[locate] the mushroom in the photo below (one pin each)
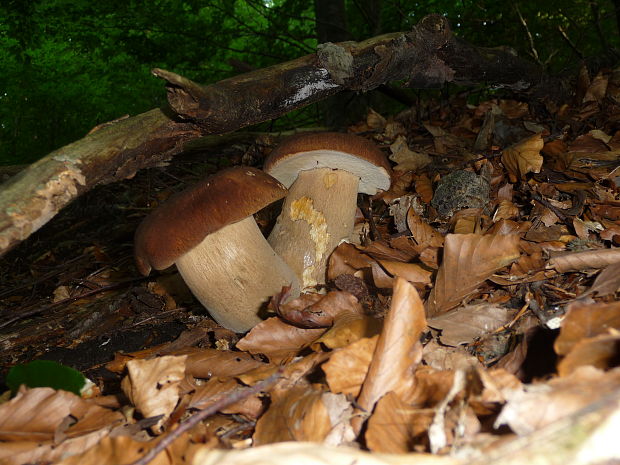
(209, 232)
(324, 173)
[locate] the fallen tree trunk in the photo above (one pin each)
(428, 56)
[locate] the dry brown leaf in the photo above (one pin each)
(374, 120)
(207, 393)
(347, 367)
(440, 357)
(424, 187)
(36, 415)
(301, 414)
(289, 453)
(412, 272)
(607, 282)
(153, 385)
(465, 224)
(597, 90)
(381, 250)
(348, 327)
(464, 324)
(43, 424)
(398, 349)
(584, 321)
(524, 156)
(395, 426)
(122, 449)
(423, 233)
(536, 406)
(405, 158)
(469, 260)
(602, 351)
(278, 340)
(587, 260)
(346, 259)
(506, 210)
(205, 363)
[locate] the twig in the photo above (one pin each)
(570, 43)
(233, 397)
(36, 311)
(528, 33)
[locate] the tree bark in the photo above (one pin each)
(426, 57)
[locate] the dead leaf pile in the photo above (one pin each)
(493, 331)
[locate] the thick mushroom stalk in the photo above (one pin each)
(324, 173)
(233, 273)
(317, 215)
(209, 232)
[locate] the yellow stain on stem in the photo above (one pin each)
(302, 209)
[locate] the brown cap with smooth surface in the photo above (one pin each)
(355, 147)
(184, 220)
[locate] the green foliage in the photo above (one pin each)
(45, 373)
(68, 65)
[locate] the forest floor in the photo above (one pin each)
(478, 311)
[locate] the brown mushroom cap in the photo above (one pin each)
(184, 220)
(348, 152)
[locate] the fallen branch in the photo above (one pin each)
(428, 56)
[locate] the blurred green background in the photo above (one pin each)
(68, 65)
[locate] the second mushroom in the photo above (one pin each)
(209, 232)
(324, 173)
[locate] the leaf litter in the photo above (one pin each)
(439, 337)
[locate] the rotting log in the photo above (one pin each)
(427, 57)
(31, 198)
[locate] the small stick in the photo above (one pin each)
(234, 396)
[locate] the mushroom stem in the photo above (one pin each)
(233, 272)
(317, 215)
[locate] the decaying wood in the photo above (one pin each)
(428, 56)
(32, 197)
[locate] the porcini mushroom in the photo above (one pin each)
(324, 173)
(209, 232)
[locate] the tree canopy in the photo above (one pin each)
(70, 65)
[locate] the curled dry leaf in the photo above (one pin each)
(301, 414)
(583, 321)
(524, 156)
(205, 394)
(124, 449)
(424, 187)
(206, 363)
(43, 424)
(304, 312)
(422, 232)
(469, 260)
(506, 210)
(587, 260)
(346, 259)
(395, 426)
(348, 328)
(287, 453)
(278, 340)
(398, 349)
(464, 324)
(536, 406)
(607, 282)
(602, 351)
(346, 369)
(405, 158)
(153, 385)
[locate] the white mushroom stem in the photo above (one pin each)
(317, 215)
(233, 273)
